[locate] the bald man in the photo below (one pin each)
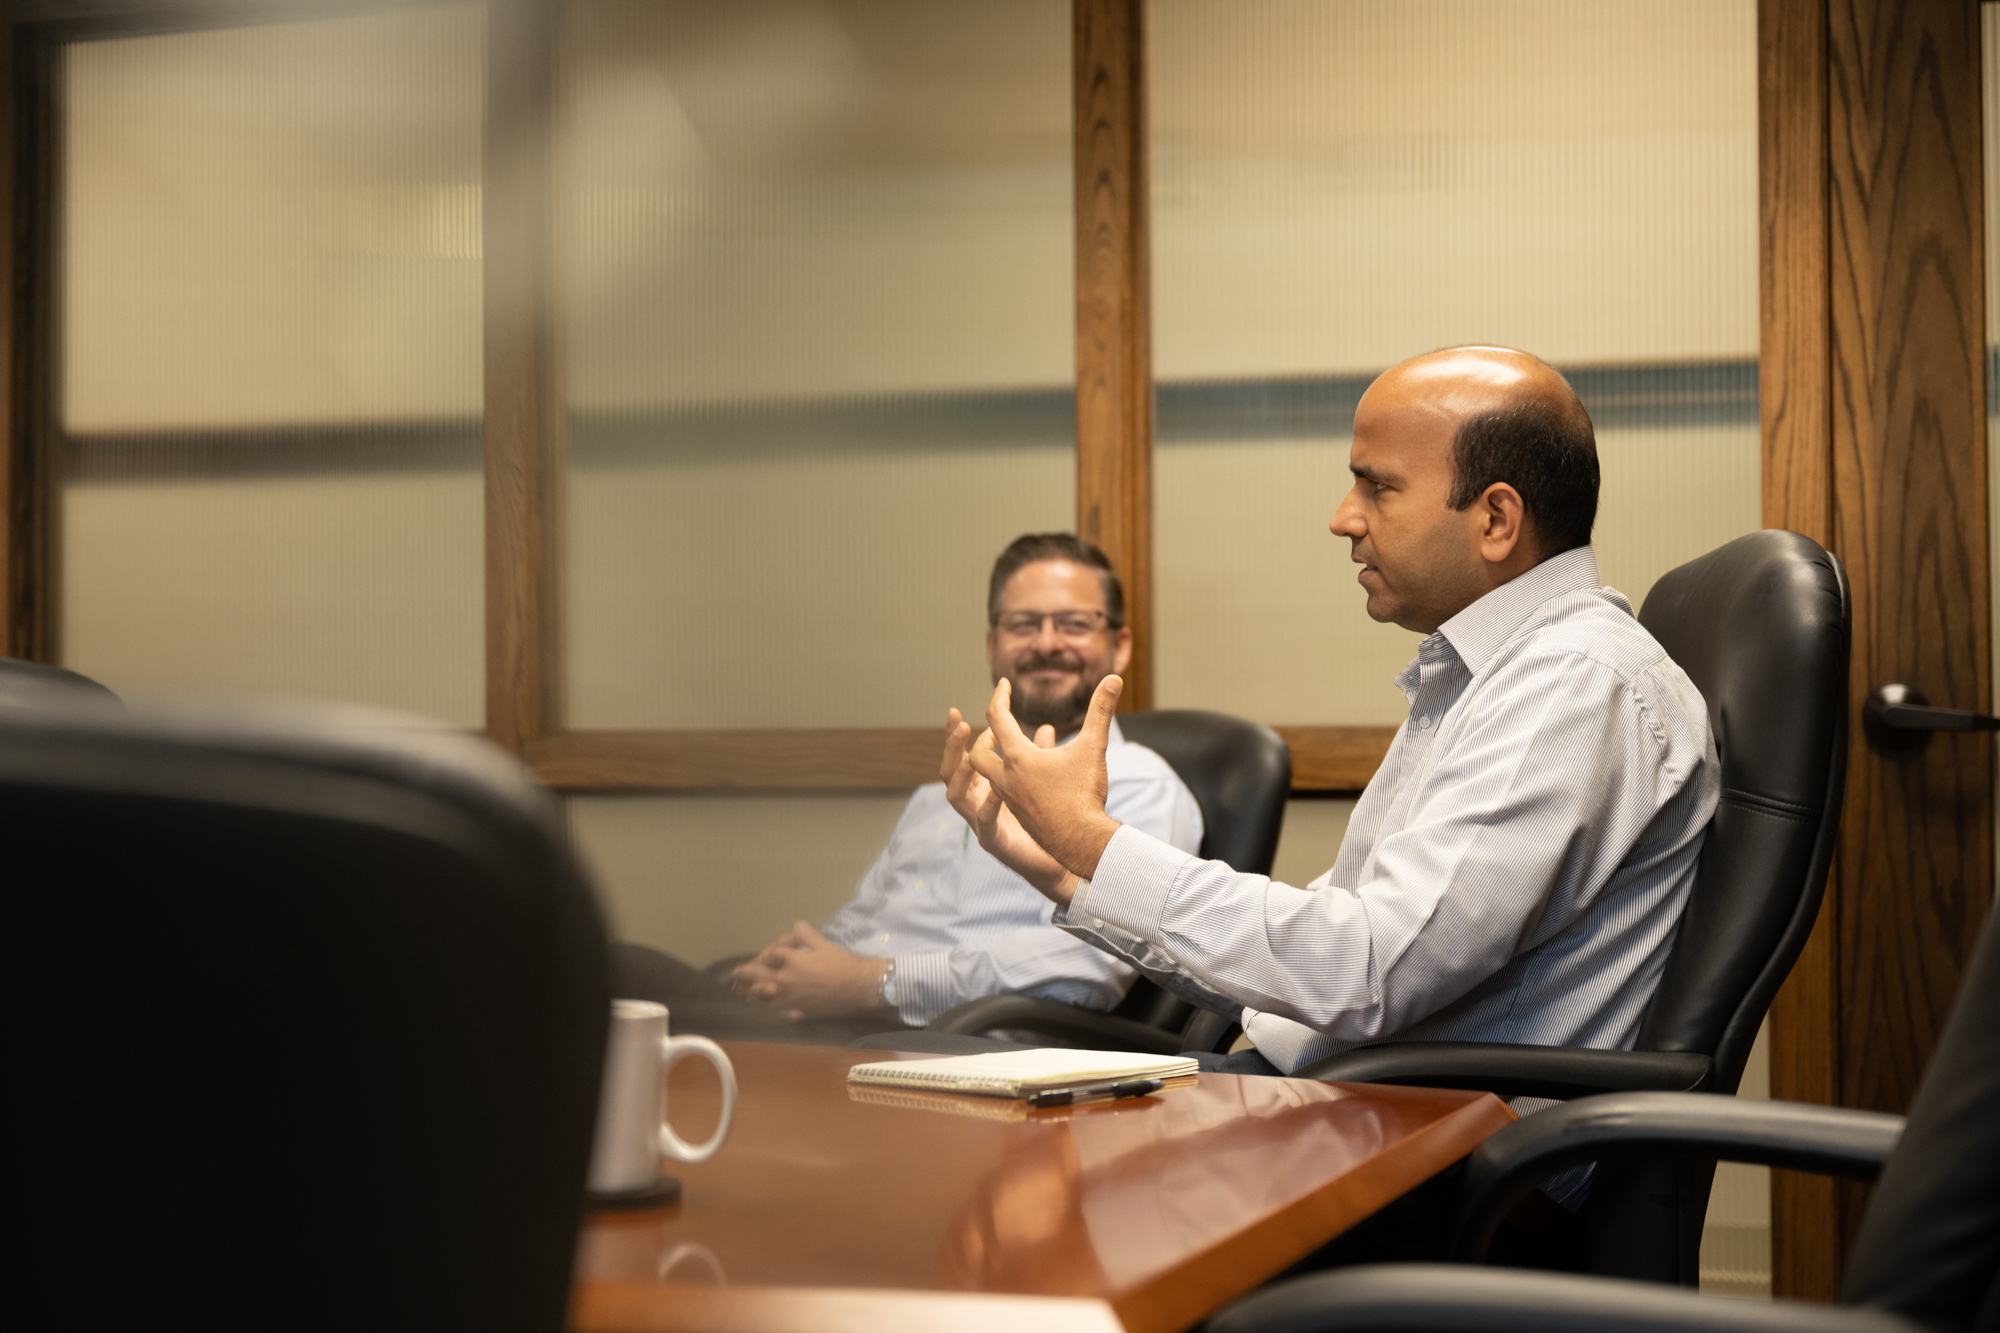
(1516, 869)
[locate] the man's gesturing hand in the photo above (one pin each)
(1055, 794)
(998, 831)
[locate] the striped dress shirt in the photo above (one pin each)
(961, 926)
(1514, 872)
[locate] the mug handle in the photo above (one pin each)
(673, 1049)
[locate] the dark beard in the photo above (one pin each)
(1064, 712)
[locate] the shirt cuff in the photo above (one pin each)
(1135, 880)
(922, 985)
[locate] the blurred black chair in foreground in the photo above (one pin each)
(1761, 625)
(1241, 775)
(310, 1024)
(35, 685)
(1926, 1259)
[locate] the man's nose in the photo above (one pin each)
(1346, 520)
(1047, 640)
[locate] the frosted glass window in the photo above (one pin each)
(817, 348)
(268, 417)
(1339, 186)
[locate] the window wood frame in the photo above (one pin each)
(522, 402)
(1114, 491)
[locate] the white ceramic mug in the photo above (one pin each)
(632, 1133)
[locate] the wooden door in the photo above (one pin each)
(1873, 395)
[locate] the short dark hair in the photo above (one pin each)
(1546, 451)
(1034, 547)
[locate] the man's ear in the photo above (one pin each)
(1502, 523)
(1121, 652)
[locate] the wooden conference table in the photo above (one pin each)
(833, 1208)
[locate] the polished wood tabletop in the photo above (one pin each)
(834, 1207)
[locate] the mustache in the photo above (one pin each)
(1036, 661)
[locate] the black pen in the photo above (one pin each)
(1138, 1087)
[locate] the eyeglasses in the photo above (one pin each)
(1068, 624)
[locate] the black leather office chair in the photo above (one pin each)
(34, 685)
(1927, 1256)
(1761, 625)
(1241, 775)
(308, 1025)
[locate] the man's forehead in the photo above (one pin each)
(1078, 587)
(1395, 420)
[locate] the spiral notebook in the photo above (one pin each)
(1022, 1073)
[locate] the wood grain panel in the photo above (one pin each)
(1906, 283)
(13, 449)
(1335, 760)
(1325, 760)
(26, 177)
(801, 759)
(1794, 406)
(1793, 359)
(521, 396)
(1114, 386)
(1908, 422)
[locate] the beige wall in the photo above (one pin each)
(707, 876)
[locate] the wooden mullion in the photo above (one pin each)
(1325, 760)
(14, 517)
(1335, 761)
(27, 183)
(1114, 386)
(787, 759)
(1794, 389)
(522, 407)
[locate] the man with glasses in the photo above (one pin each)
(937, 921)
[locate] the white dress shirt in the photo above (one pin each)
(961, 926)
(1514, 872)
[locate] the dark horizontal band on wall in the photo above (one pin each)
(1272, 407)
(1325, 760)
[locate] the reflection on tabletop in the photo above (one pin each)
(826, 1185)
(1119, 1192)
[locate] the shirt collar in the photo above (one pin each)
(1477, 632)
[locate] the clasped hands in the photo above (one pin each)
(803, 975)
(1037, 808)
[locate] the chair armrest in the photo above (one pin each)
(1794, 1135)
(1561, 1072)
(1208, 1030)
(1448, 1298)
(1053, 1019)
